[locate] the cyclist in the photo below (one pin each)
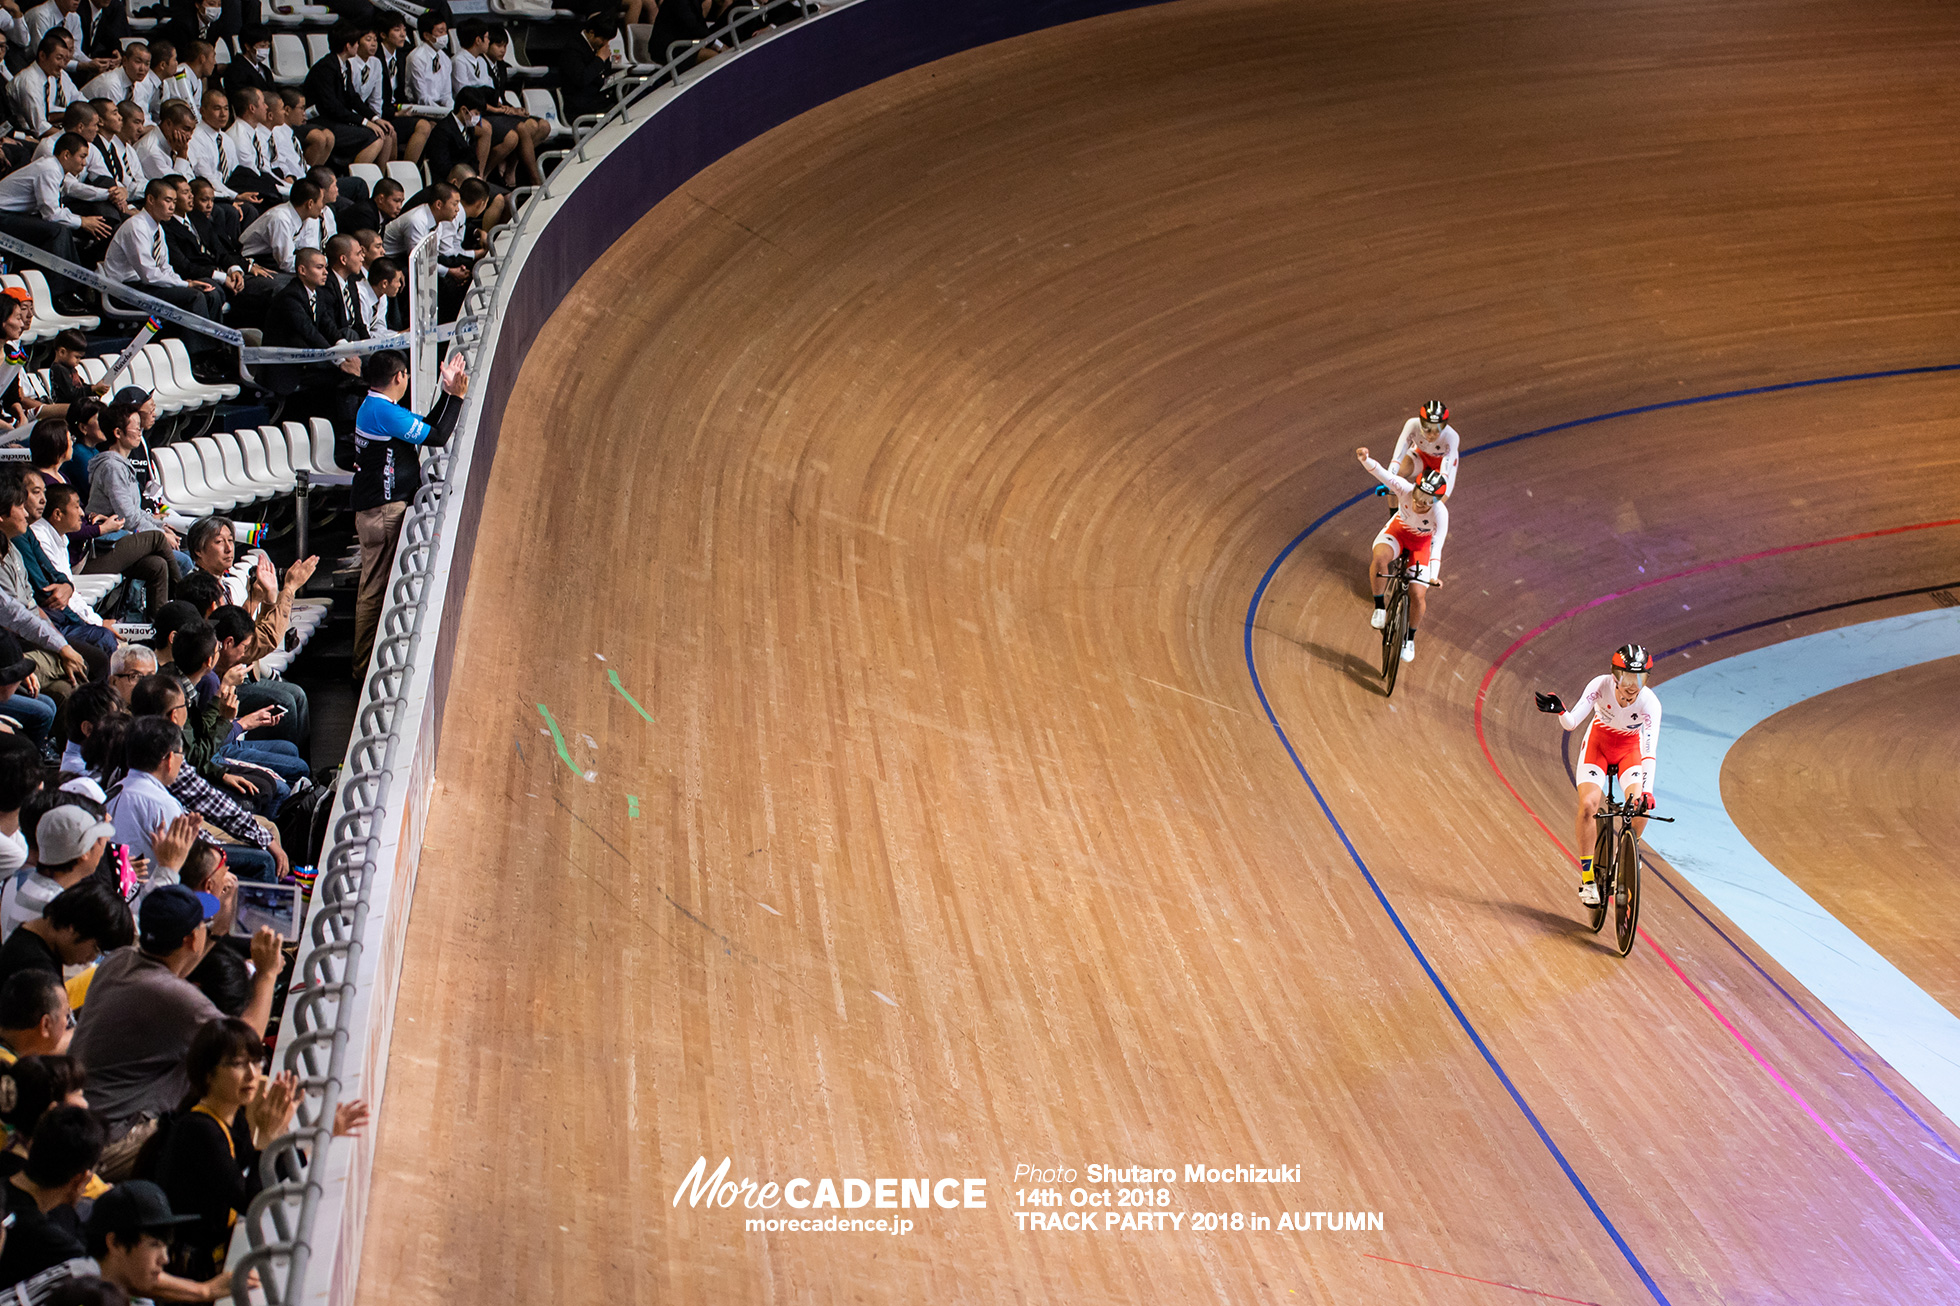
(1427, 444)
(1418, 528)
(1626, 729)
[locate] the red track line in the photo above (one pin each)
(1581, 1301)
(1798, 1098)
(1483, 690)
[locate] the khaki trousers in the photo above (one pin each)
(378, 529)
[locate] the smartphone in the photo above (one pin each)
(125, 872)
(261, 904)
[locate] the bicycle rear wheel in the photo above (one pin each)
(1390, 602)
(1602, 876)
(1626, 894)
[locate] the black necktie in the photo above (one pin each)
(113, 160)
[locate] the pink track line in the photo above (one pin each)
(1798, 1098)
(1484, 689)
(1533, 1292)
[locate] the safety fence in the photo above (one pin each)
(301, 1239)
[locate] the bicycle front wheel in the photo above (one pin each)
(1626, 894)
(1397, 631)
(1602, 877)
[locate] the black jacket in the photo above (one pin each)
(220, 234)
(289, 325)
(581, 79)
(447, 146)
(327, 90)
(190, 257)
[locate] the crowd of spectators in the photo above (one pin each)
(147, 765)
(133, 1014)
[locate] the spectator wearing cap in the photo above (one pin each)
(129, 1233)
(388, 472)
(78, 926)
(205, 1155)
(49, 650)
(70, 841)
(142, 1013)
(20, 779)
(41, 1197)
(35, 1019)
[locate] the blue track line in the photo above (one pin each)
(1409, 939)
(1252, 667)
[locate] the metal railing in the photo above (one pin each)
(282, 1240)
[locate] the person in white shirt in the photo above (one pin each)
(293, 143)
(285, 229)
(65, 14)
(165, 149)
(94, 190)
(118, 159)
(512, 131)
(131, 127)
(251, 144)
(214, 157)
(139, 256)
(428, 65)
(383, 282)
(32, 209)
(442, 213)
(175, 80)
(132, 80)
(368, 75)
(43, 89)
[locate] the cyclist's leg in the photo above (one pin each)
(1585, 830)
(1418, 604)
(1380, 561)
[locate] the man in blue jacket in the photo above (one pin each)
(388, 472)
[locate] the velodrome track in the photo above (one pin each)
(916, 470)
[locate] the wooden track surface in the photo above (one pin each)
(914, 468)
(1850, 794)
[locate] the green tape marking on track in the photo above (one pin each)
(557, 738)
(614, 677)
(632, 807)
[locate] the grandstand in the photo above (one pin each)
(826, 544)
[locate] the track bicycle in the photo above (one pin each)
(1616, 865)
(1395, 631)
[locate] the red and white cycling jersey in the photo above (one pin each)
(1639, 721)
(1436, 453)
(1430, 527)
